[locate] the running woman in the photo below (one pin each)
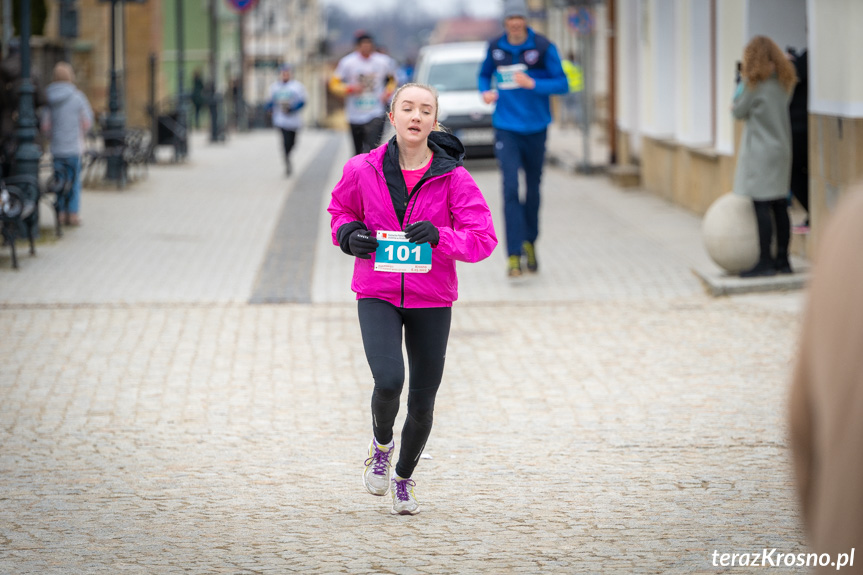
(414, 184)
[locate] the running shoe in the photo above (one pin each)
(404, 500)
(514, 267)
(529, 252)
(377, 471)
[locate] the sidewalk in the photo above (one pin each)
(603, 416)
(566, 150)
(195, 232)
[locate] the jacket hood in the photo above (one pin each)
(448, 152)
(449, 145)
(57, 92)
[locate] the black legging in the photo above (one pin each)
(426, 332)
(289, 137)
(766, 212)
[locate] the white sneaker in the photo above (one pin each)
(404, 500)
(377, 471)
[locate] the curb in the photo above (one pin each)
(721, 283)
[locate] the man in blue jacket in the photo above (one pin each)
(521, 70)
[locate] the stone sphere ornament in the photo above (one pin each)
(730, 233)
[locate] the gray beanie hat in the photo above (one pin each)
(514, 9)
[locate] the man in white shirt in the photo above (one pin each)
(366, 79)
(287, 97)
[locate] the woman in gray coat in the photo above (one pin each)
(764, 162)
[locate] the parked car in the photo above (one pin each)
(452, 69)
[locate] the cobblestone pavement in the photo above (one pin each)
(604, 416)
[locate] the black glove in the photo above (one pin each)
(344, 234)
(422, 232)
(362, 244)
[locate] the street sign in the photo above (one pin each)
(242, 5)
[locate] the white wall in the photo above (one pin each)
(683, 41)
(644, 53)
(665, 89)
(783, 21)
(836, 45)
(658, 60)
(628, 92)
(665, 100)
(730, 26)
(694, 83)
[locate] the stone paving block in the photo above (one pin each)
(538, 469)
(603, 416)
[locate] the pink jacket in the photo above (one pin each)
(450, 200)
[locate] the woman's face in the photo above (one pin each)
(414, 115)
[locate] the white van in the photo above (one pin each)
(453, 70)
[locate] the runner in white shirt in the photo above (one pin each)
(287, 97)
(367, 80)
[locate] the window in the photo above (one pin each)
(454, 76)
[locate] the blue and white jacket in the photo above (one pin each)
(521, 110)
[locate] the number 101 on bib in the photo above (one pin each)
(397, 254)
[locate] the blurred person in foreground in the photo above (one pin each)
(527, 70)
(287, 98)
(763, 170)
(66, 119)
(366, 79)
(826, 404)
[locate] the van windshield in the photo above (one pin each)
(454, 76)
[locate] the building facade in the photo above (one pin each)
(675, 73)
(285, 32)
(256, 43)
(90, 52)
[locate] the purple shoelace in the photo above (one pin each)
(402, 488)
(379, 461)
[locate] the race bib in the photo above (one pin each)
(286, 98)
(505, 76)
(396, 254)
(366, 103)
